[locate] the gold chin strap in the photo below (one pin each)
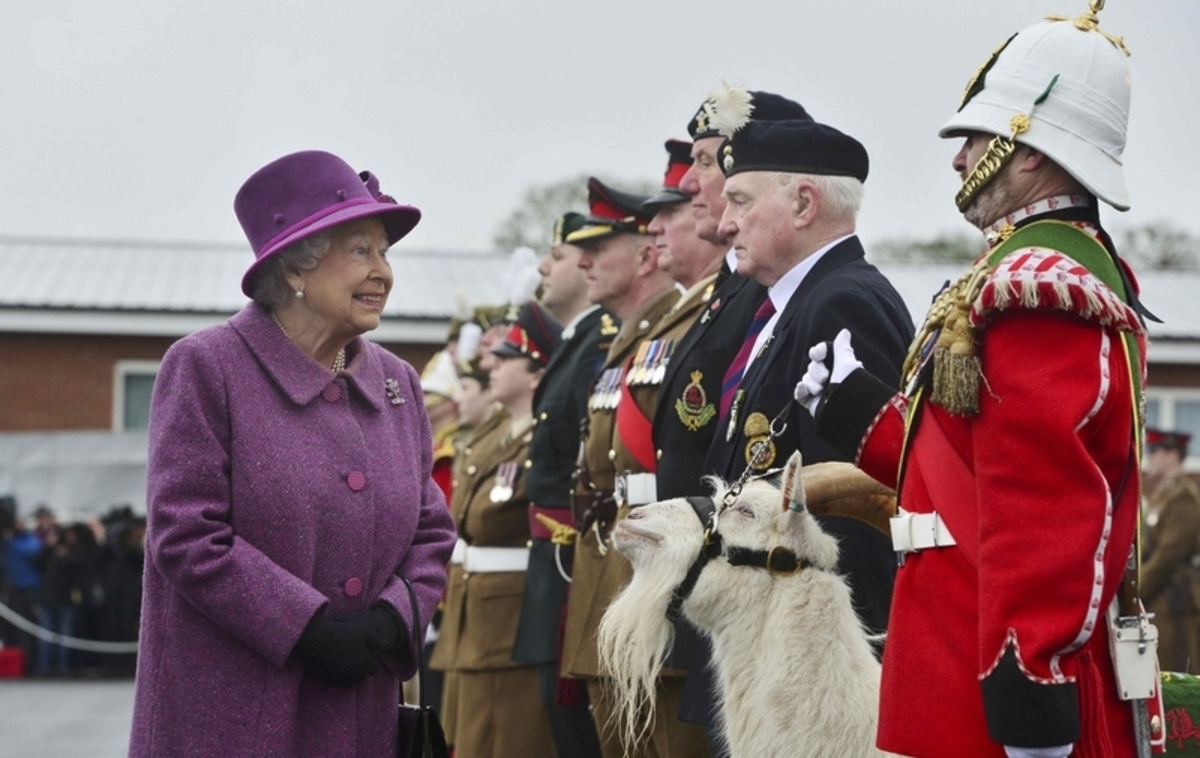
(1000, 150)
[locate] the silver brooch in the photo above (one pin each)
(392, 387)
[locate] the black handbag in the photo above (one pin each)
(421, 734)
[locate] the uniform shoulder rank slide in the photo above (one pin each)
(506, 480)
(693, 407)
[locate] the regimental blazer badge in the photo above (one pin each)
(760, 448)
(693, 407)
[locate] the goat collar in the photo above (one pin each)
(777, 560)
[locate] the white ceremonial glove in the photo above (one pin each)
(811, 387)
(1062, 751)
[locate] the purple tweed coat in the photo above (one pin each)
(275, 492)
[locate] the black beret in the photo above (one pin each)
(764, 106)
(610, 211)
(796, 147)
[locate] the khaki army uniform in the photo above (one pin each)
(639, 355)
(1170, 582)
(483, 603)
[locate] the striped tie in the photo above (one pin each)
(733, 375)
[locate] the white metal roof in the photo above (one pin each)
(174, 288)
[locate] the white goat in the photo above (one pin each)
(795, 670)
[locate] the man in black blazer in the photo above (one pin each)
(687, 415)
(559, 405)
(793, 190)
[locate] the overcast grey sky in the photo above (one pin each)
(141, 118)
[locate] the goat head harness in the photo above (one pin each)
(778, 560)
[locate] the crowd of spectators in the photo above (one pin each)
(80, 578)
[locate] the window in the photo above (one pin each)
(1176, 409)
(133, 386)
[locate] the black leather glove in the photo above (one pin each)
(339, 653)
(383, 626)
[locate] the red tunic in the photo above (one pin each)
(1046, 457)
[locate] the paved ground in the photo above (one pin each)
(65, 719)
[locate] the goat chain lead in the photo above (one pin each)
(778, 427)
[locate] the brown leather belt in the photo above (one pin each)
(593, 507)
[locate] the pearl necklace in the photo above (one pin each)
(339, 362)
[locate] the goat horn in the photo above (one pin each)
(836, 488)
(793, 488)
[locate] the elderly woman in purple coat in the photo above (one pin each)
(289, 493)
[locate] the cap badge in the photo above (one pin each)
(693, 407)
(975, 83)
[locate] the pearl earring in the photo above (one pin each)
(300, 294)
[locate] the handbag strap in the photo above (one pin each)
(418, 648)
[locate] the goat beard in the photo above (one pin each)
(634, 639)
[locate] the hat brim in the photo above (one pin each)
(398, 221)
(593, 232)
(505, 350)
(665, 197)
(1095, 169)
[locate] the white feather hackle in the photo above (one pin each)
(468, 342)
(732, 108)
(522, 278)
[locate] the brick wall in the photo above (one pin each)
(53, 382)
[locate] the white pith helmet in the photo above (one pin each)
(1082, 121)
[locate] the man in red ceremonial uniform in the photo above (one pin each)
(1014, 445)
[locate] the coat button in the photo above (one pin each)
(471, 470)
(353, 587)
(331, 393)
(356, 480)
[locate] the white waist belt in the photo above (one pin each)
(489, 560)
(636, 489)
(919, 531)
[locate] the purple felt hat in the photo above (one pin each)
(304, 193)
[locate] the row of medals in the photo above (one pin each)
(506, 480)
(648, 368)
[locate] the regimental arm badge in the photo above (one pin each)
(693, 407)
(760, 447)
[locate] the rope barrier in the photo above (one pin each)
(93, 646)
